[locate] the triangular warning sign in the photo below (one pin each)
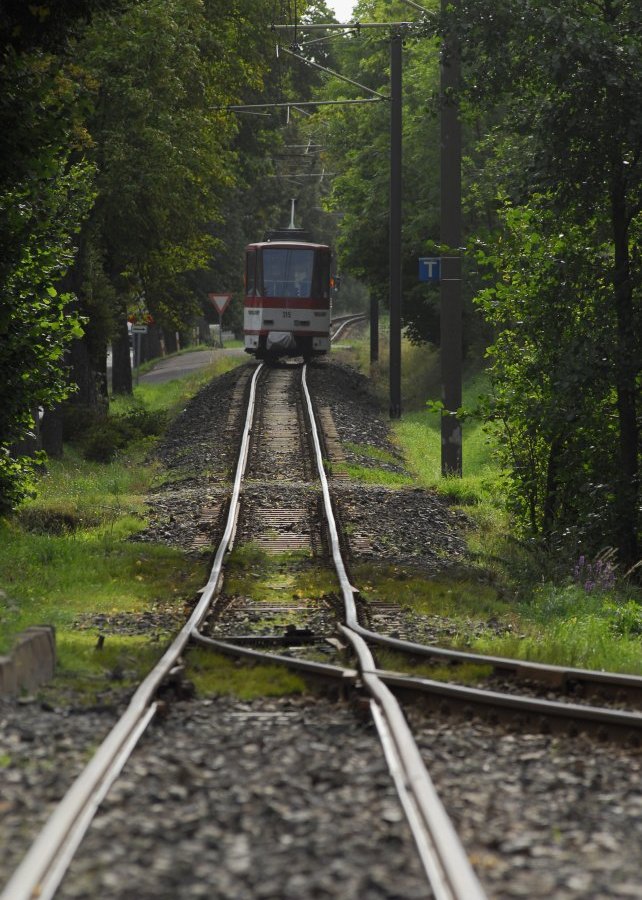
(220, 301)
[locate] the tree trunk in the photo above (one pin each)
(121, 376)
(83, 376)
(101, 375)
(51, 432)
(171, 342)
(150, 347)
(627, 485)
(551, 489)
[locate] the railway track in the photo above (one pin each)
(442, 855)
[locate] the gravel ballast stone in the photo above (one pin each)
(290, 797)
(283, 798)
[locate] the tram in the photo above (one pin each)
(287, 296)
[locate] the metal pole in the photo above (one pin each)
(451, 296)
(395, 226)
(374, 329)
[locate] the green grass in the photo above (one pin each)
(369, 475)
(216, 675)
(68, 553)
(459, 596)
(86, 669)
(419, 433)
(172, 395)
(55, 579)
(564, 624)
(272, 578)
(536, 610)
(466, 673)
(560, 624)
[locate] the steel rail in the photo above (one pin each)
(622, 720)
(445, 861)
(550, 674)
(47, 888)
(344, 324)
(42, 864)
(576, 712)
(308, 666)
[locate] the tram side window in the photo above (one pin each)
(287, 272)
(321, 284)
(250, 273)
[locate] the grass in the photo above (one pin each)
(56, 579)
(466, 673)
(452, 596)
(216, 675)
(270, 578)
(89, 671)
(369, 475)
(171, 396)
(420, 435)
(536, 608)
(564, 624)
(68, 555)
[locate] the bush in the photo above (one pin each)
(101, 435)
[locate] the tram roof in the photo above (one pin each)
(290, 245)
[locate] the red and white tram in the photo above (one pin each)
(287, 297)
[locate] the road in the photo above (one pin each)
(171, 367)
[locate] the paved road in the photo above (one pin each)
(177, 366)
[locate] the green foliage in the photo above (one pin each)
(358, 141)
(558, 87)
(116, 160)
(567, 626)
(217, 675)
(113, 433)
(552, 402)
(38, 217)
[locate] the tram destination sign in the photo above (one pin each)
(220, 301)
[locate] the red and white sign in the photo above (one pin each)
(220, 301)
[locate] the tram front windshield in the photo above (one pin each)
(287, 272)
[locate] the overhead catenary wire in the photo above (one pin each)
(316, 65)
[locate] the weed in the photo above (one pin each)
(464, 673)
(452, 596)
(598, 575)
(368, 475)
(251, 572)
(214, 674)
(375, 453)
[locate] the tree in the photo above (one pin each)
(45, 192)
(568, 79)
(167, 153)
